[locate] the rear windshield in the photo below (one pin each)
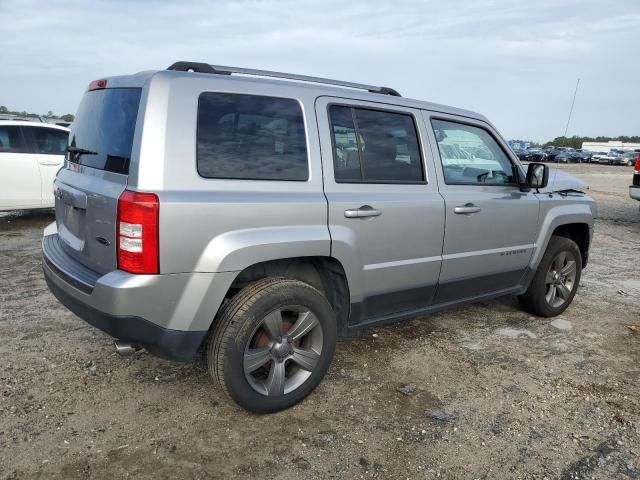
(103, 128)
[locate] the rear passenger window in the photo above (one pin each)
(11, 140)
(372, 146)
(251, 137)
(50, 141)
(471, 156)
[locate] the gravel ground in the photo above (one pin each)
(514, 396)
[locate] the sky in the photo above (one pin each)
(516, 62)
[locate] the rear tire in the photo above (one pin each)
(272, 344)
(556, 281)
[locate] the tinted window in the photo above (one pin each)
(251, 137)
(11, 140)
(49, 141)
(375, 146)
(470, 155)
(346, 156)
(105, 124)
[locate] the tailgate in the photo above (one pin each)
(95, 174)
(86, 213)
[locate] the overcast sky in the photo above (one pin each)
(514, 61)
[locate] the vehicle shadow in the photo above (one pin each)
(21, 219)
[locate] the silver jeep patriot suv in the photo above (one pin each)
(259, 215)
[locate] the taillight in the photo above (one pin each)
(636, 169)
(137, 230)
(97, 85)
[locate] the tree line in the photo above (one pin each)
(67, 117)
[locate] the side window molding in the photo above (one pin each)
(374, 145)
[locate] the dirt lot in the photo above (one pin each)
(524, 397)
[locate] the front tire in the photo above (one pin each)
(272, 344)
(556, 281)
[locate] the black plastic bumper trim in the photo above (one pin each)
(75, 283)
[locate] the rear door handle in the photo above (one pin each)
(467, 209)
(362, 212)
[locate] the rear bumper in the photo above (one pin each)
(634, 192)
(169, 314)
(177, 345)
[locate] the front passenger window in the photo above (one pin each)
(470, 155)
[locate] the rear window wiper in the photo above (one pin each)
(80, 151)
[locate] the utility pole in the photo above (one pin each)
(566, 129)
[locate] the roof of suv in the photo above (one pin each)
(140, 78)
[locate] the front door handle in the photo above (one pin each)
(467, 209)
(362, 212)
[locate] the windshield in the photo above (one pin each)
(102, 132)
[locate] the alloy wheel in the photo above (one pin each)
(560, 279)
(283, 351)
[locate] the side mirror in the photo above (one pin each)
(537, 175)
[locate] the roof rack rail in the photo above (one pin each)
(220, 70)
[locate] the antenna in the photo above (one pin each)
(566, 129)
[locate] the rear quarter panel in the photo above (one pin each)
(215, 225)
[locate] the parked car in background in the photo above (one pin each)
(564, 156)
(551, 154)
(31, 153)
(634, 188)
(585, 155)
(614, 157)
(314, 210)
(537, 155)
(596, 157)
(576, 157)
(523, 155)
(630, 158)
